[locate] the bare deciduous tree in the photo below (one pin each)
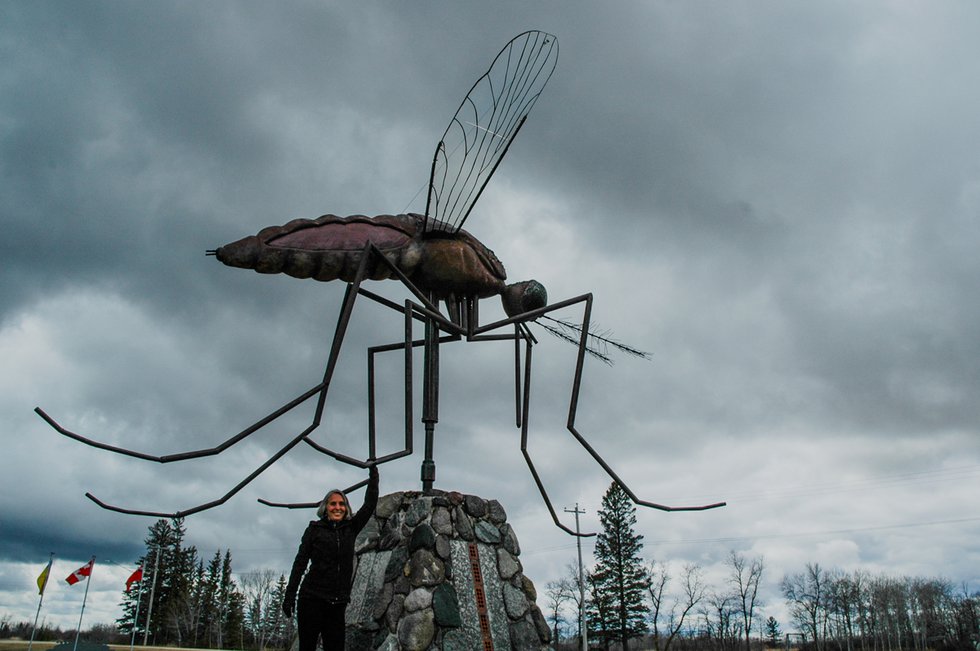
(722, 624)
(671, 611)
(808, 595)
(576, 595)
(257, 587)
(746, 574)
(557, 593)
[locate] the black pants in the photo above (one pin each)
(318, 618)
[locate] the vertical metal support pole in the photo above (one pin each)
(44, 584)
(517, 374)
(153, 590)
(430, 400)
(88, 582)
(136, 612)
(372, 427)
(409, 379)
(582, 622)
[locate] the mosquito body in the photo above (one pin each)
(441, 263)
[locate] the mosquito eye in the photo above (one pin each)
(523, 297)
(535, 296)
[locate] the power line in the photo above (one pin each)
(804, 534)
(831, 487)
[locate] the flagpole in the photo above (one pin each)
(153, 589)
(47, 575)
(84, 599)
(136, 614)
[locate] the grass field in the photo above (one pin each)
(21, 645)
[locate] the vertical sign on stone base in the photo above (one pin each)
(481, 597)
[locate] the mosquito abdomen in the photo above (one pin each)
(329, 247)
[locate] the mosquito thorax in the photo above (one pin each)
(524, 296)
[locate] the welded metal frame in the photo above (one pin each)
(462, 322)
(512, 84)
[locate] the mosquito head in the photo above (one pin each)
(523, 297)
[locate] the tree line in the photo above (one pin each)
(860, 611)
(633, 603)
(187, 602)
(629, 603)
(183, 601)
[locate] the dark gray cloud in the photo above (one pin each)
(23, 539)
(779, 202)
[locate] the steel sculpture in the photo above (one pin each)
(438, 262)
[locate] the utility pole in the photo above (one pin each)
(582, 621)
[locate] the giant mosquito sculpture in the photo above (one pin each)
(437, 262)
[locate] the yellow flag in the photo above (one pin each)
(42, 579)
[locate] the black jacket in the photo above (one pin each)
(328, 548)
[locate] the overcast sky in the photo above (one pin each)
(779, 201)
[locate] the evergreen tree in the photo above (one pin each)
(133, 599)
(279, 626)
(210, 624)
(200, 605)
(159, 540)
(772, 632)
(598, 605)
(234, 633)
(619, 578)
(231, 604)
(177, 616)
(186, 602)
(167, 595)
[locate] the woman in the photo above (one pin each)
(328, 547)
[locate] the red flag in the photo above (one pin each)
(81, 573)
(134, 577)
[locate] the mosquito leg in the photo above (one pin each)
(218, 502)
(422, 312)
(181, 456)
(320, 390)
(312, 505)
(573, 408)
(407, 346)
(525, 408)
(583, 347)
(411, 311)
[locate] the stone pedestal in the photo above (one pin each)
(441, 571)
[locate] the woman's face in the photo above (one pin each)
(336, 508)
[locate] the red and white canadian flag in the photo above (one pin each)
(81, 573)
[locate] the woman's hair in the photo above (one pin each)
(321, 511)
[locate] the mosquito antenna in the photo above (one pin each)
(600, 342)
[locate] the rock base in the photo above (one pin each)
(440, 571)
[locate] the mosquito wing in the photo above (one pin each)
(484, 126)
